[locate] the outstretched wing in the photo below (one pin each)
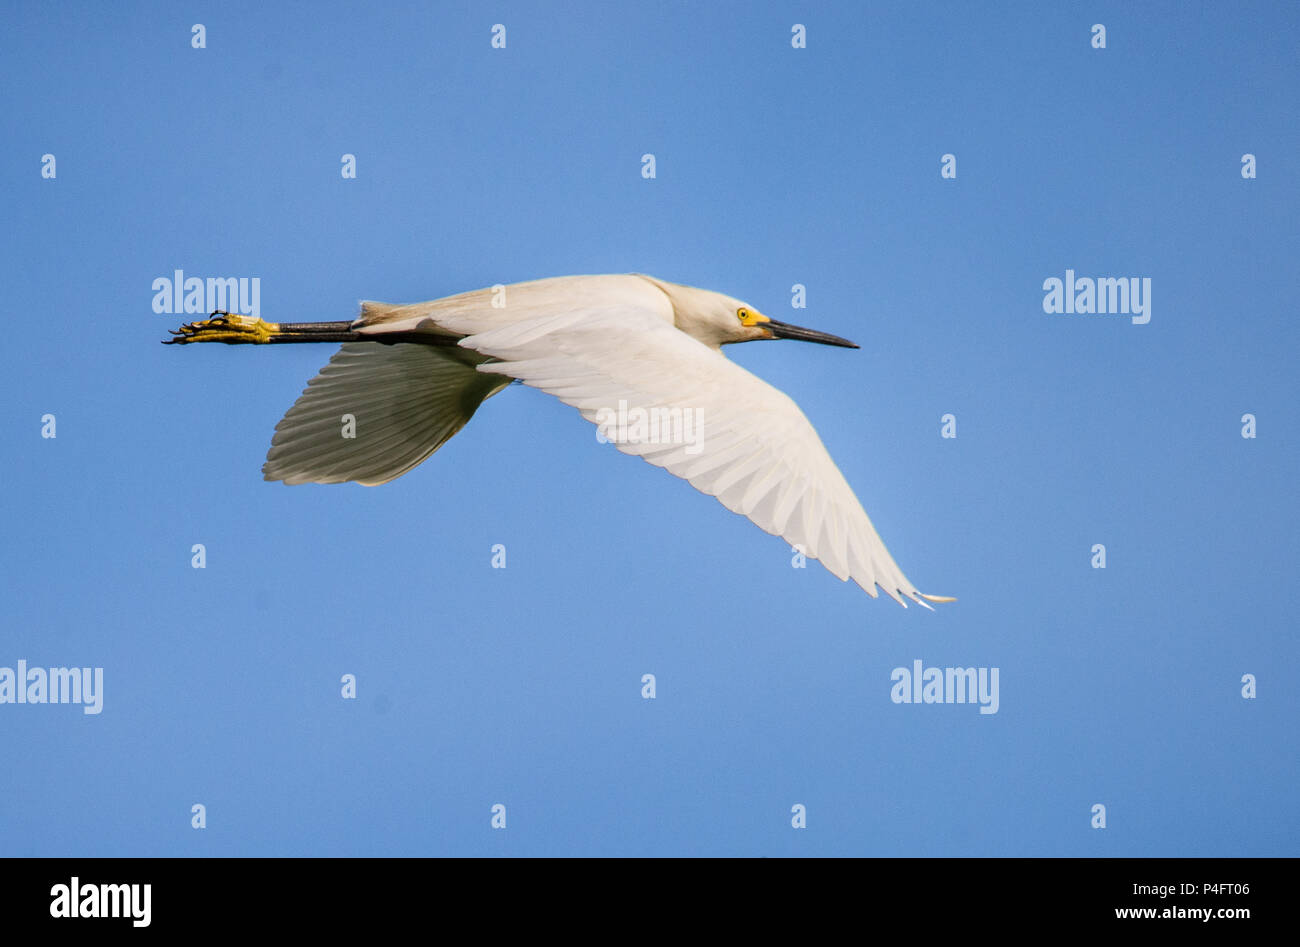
(375, 411)
(701, 417)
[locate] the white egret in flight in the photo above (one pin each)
(412, 375)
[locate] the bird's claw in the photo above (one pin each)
(221, 326)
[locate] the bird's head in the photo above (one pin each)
(752, 325)
(716, 319)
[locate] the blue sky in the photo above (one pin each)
(522, 686)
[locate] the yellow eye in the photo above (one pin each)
(742, 314)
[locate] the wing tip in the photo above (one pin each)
(920, 598)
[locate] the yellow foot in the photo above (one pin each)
(231, 328)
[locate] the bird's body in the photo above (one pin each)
(612, 346)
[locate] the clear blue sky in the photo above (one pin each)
(521, 686)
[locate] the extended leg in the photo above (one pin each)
(234, 329)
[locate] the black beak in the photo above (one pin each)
(783, 330)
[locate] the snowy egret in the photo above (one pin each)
(638, 356)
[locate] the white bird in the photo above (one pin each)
(614, 347)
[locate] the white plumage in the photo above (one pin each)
(593, 342)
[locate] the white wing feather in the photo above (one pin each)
(759, 455)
